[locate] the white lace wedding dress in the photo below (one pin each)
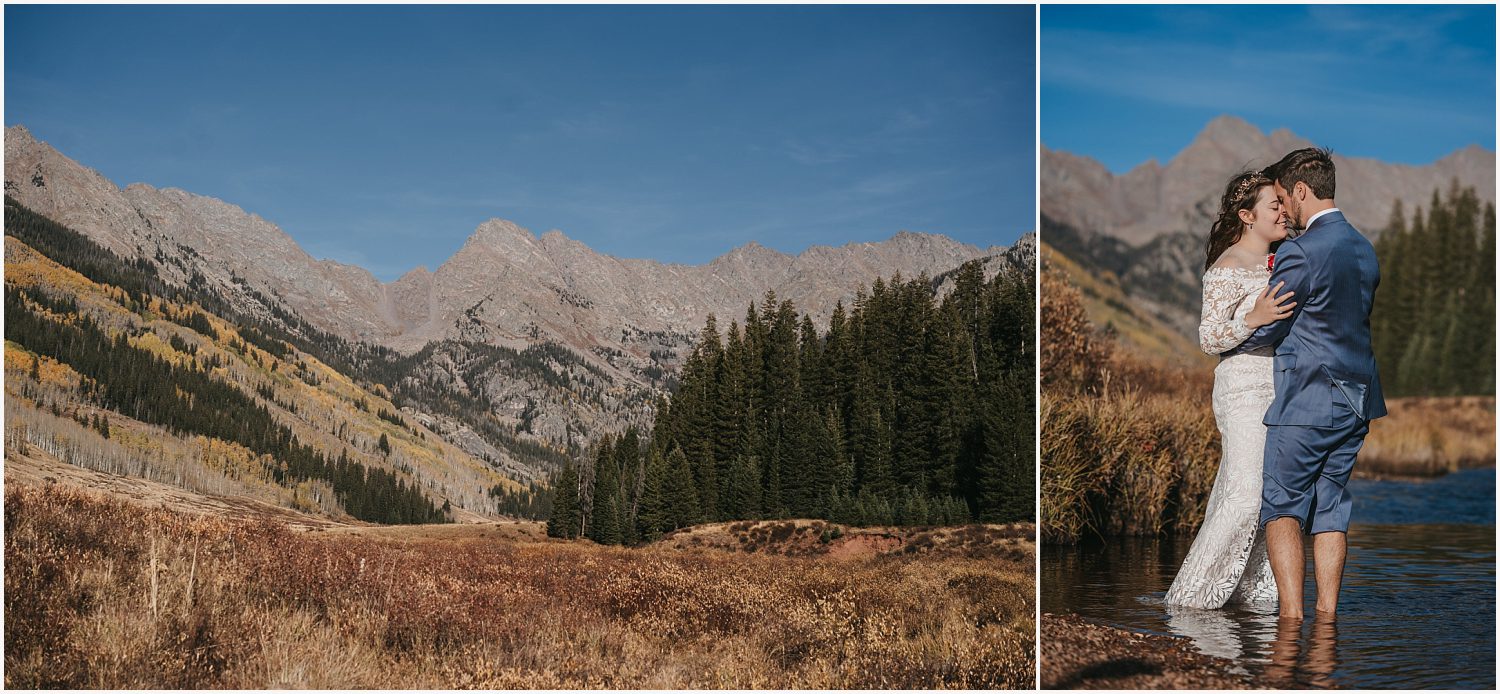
(1227, 562)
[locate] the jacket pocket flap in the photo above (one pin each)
(1285, 362)
(1354, 391)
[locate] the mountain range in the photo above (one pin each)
(554, 342)
(505, 285)
(1149, 226)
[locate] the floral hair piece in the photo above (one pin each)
(1250, 183)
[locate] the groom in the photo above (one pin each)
(1327, 389)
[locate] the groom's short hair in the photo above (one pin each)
(1310, 166)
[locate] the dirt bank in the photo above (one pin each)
(1078, 654)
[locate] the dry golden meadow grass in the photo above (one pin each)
(1431, 436)
(101, 593)
(1129, 445)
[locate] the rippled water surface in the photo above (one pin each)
(1417, 608)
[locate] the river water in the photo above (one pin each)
(1417, 609)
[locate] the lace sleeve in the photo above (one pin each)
(1220, 330)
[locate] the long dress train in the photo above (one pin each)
(1227, 562)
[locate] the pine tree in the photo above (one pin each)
(839, 360)
(816, 382)
(705, 476)
(708, 356)
(604, 520)
(803, 476)
(730, 410)
(1482, 312)
(1007, 482)
(870, 441)
(1389, 320)
(680, 498)
(783, 397)
(653, 517)
(628, 460)
(836, 471)
(741, 498)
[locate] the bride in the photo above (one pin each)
(1228, 559)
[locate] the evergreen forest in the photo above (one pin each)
(906, 410)
(1434, 319)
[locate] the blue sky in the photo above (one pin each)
(382, 136)
(1405, 84)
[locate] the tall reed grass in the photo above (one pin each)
(1125, 463)
(1129, 445)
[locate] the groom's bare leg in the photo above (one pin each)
(1329, 550)
(1288, 563)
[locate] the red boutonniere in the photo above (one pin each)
(1270, 262)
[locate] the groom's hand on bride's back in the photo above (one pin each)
(1270, 307)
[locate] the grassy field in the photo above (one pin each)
(102, 592)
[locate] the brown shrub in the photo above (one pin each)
(1074, 356)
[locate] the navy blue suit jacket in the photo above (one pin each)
(1323, 356)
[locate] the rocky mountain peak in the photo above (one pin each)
(1471, 156)
(1230, 130)
(500, 232)
(1227, 141)
(415, 273)
(1025, 245)
(1283, 140)
(1150, 167)
(751, 253)
(20, 134)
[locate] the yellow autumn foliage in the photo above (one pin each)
(18, 362)
(26, 267)
(232, 459)
(151, 342)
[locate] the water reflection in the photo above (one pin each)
(1299, 660)
(1215, 633)
(1417, 608)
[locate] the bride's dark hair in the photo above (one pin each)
(1240, 194)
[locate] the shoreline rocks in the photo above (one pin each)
(1079, 654)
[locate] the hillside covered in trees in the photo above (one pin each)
(907, 410)
(110, 368)
(1434, 319)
